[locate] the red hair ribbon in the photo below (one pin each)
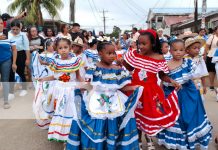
(153, 32)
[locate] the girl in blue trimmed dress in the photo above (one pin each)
(42, 111)
(193, 127)
(92, 53)
(105, 117)
(66, 73)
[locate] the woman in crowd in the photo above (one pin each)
(64, 32)
(49, 33)
(23, 56)
(212, 45)
(6, 62)
(125, 42)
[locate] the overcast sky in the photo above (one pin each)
(122, 13)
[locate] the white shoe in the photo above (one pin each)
(10, 96)
(23, 93)
(7, 106)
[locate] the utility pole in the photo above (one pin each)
(196, 16)
(204, 10)
(72, 11)
(104, 20)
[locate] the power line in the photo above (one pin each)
(119, 7)
(137, 6)
(133, 4)
(164, 4)
(130, 8)
(95, 7)
(155, 5)
(93, 12)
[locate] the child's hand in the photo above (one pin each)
(176, 85)
(40, 79)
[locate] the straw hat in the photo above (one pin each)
(78, 41)
(191, 41)
(160, 29)
(187, 34)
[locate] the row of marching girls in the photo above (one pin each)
(104, 117)
(104, 110)
(100, 122)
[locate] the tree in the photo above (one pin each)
(34, 9)
(116, 32)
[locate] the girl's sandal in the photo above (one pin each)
(150, 146)
(140, 145)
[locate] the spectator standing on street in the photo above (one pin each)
(49, 33)
(160, 35)
(135, 34)
(36, 41)
(85, 36)
(65, 32)
(125, 42)
(8, 51)
(75, 31)
(101, 34)
(7, 19)
(211, 46)
(23, 56)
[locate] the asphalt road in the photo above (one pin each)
(18, 130)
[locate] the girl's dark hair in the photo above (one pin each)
(48, 42)
(15, 23)
(176, 41)
(29, 32)
(102, 45)
(62, 39)
(62, 27)
(90, 32)
(94, 41)
(210, 31)
(163, 42)
(202, 29)
(155, 42)
(85, 37)
(127, 35)
(46, 30)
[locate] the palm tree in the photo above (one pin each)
(34, 9)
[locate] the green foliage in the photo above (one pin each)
(116, 32)
(34, 9)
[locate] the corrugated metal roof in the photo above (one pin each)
(178, 10)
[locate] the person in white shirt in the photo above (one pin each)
(135, 34)
(211, 46)
(64, 32)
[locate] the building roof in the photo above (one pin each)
(191, 20)
(174, 11)
(178, 11)
(169, 20)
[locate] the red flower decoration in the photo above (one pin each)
(65, 77)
